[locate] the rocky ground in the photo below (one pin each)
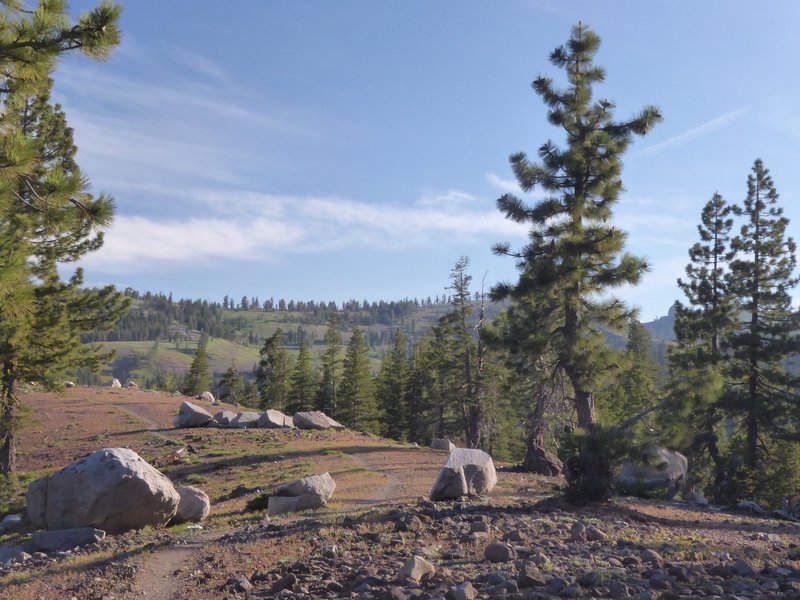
(379, 538)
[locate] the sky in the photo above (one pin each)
(317, 150)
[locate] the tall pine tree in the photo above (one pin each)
(47, 216)
(331, 368)
(391, 388)
(762, 277)
(575, 256)
(359, 408)
(198, 379)
(303, 388)
(273, 374)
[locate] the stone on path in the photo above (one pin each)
(310, 492)
(467, 472)
(112, 489)
(194, 505)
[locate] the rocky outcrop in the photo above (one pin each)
(663, 475)
(111, 489)
(194, 505)
(467, 472)
(310, 492)
(115, 383)
(191, 415)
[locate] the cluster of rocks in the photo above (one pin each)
(191, 415)
(462, 552)
(114, 384)
(109, 491)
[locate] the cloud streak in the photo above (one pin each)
(694, 133)
(274, 228)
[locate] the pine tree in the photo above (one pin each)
(575, 257)
(359, 408)
(47, 216)
(331, 367)
(198, 379)
(634, 387)
(273, 374)
(391, 389)
(303, 387)
(232, 386)
(761, 278)
(697, 359)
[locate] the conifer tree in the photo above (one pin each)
(198, 379)
(331, 367)
(761, 278)
(303, 387)
(47, 216)
(575, 256)
(232, 386)
(697, 360)
(359, 408)
(392, 387)
(273, 374)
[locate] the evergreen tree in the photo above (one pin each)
(391, 389)
(198, 379)
(47, 216)
(232, 386)
(634, 388)
(331, 367)
(273, 374)
(359, 408)
(761, 278)
(303, 383)
(697, 359)
(575, 257)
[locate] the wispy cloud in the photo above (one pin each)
(272, 227)
(695, 132)
(506, 185)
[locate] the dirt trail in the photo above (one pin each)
(159, 577)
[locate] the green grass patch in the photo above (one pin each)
(195, 479)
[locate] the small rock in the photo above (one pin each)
(529, 575)
(578, 532)
(593, 534)
(652, 557)
(463, 591)
(743, 568)
(417, 569)
(499, 552)
(591, 579)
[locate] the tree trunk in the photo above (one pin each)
(475, 417)
(584, 407)
(537, 458)
(8, 410)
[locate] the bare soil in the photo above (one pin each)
(379, 482)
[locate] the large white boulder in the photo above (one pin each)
(207, 397)
(116, 384)
(442, 444)
(310, 492)
(191, 415)
(245, 420)
(312, 419)
(662, 476)
(274, 419)
(467, 472)
(112, 489)
(194, 505)
(224, 418)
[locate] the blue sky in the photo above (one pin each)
(355, 149)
